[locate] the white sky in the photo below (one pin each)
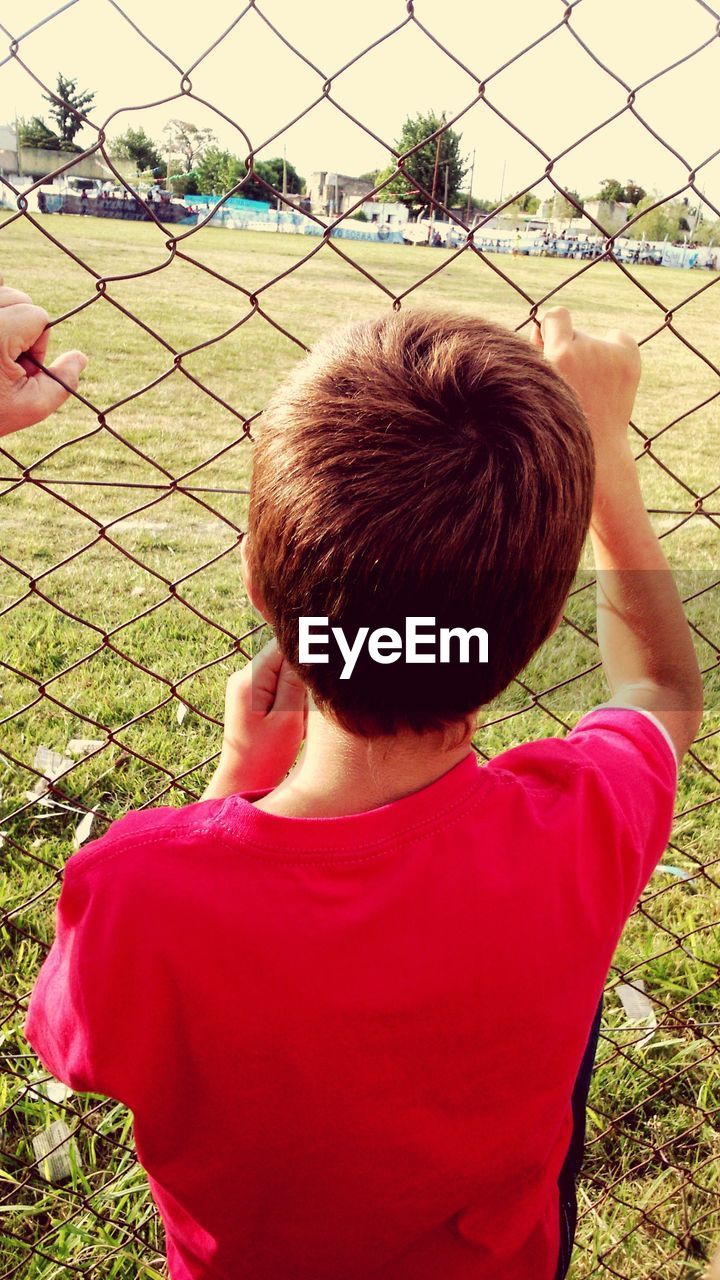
(555, 92)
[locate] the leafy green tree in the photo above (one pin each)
(421, 166)
(527, 203)
(35, 133)
(662, 223)
(632, 193)
(184, 184)
(218, 171)
(478, 204)
(65, 111)
(137, 146)
(707, 232)
(371, 176)
(271, 171)
(610, 191)
(613, 191)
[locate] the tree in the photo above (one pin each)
(610, 191)
(478, 205)
(371, 176)
(271, 172)
(35, 133)
(185, 184)
(613, 191)
(632, 193)
(662, 223)
(421, 166)
(187, 141)
(563, 207)
(218, 171)
(137, 146)
(65, 112)
(708, 232)
(527, 203)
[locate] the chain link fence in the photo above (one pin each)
(121, 523)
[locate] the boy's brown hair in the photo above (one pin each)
(420, 464)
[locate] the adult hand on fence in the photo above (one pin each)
(265, 712)
(27, 393)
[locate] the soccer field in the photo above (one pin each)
(120, 584)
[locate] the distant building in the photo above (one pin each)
(333, 193)
(8, 150)
(386, 213)
(611, 214)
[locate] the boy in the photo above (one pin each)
(354, 1009)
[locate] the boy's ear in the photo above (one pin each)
(254, 595)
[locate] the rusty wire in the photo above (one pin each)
(601, 1193)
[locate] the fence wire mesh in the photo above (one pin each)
(120, 591)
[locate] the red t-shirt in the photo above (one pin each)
(350, 1043)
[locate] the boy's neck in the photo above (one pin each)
(340, 773)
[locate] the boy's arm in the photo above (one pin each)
(644, 639)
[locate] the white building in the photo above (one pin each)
(386, 213)
(8, 150)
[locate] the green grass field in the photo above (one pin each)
(144, 574)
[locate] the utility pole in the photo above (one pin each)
(435, 174)
(447, 175)
(435, 171)
(468, 212)
(284, 171)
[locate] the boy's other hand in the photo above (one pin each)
(645, 642)
(603, 372)
(265, 715)
(27, 394)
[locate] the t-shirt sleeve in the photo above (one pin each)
(607, 793)
(627, 770)
(66, 1008)
(99, 1012)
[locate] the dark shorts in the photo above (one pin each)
(574, 1157)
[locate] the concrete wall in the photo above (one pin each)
(37, 163)
(608, 213)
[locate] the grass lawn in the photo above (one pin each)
(120, 523)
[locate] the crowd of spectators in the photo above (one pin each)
(563, 244)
